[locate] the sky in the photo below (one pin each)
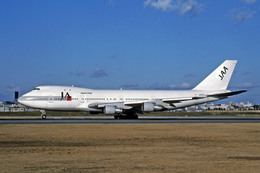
(130, 44)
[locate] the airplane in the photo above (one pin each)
(126, 104)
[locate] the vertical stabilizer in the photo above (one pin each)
(219, 78)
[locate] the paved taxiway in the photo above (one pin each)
(58, 120)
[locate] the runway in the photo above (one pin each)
(104, 120)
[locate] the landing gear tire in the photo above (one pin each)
(132, 117)
(127, 116)
(44, 116)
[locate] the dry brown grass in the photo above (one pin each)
(130, 148)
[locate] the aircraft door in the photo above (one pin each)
(82, 99)
(121, 98)
(49, 102)
(50, 99)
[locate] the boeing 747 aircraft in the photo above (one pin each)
(127, 103)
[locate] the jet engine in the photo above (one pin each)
(112, 110)
(147, 107)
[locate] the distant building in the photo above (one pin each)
(1, 107)
(242, 106)
(8, 106)
(14, 106)
(256, 107)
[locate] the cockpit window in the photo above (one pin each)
(36, 89)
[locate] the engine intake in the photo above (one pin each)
(148, 107)
(109, 110)
(112, 110)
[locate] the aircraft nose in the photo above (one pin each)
(21, 100)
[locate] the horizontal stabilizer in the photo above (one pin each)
(227, 94)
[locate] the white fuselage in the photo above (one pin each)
(79, 99)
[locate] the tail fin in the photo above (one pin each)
(219, 78)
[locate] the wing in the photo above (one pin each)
(142, 106)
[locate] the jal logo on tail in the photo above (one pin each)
(223, 72)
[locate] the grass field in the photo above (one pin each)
(130, 148)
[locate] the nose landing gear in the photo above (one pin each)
(43, 114)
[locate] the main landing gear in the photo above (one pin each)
(126, 116)
(43, 114)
